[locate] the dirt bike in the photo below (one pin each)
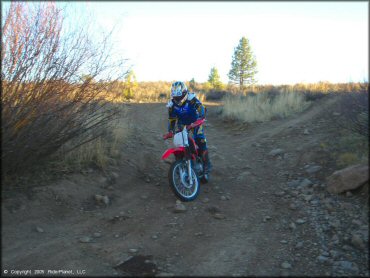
(187, 170)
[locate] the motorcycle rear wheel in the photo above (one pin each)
(179, 181)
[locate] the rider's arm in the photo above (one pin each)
(171, 120)
(202, 110)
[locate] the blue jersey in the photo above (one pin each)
(186, 114)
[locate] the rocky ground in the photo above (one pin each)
(267, 210)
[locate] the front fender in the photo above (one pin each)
(174, 151)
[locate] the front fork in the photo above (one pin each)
(188, 164)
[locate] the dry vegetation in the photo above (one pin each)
(263, 106)
(50, 98)
(97, 153)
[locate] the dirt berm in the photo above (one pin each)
(263, 213)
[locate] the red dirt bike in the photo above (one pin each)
(187, 170)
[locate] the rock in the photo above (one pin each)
(307, 198)
(85, 239)
(147, 180)
(144, 197)
(315, 202)
(356, 222)
(266, 218)
(106, 200)
(205, 200)
(335, 224)
(294, 183)
(283, 241)
(276, 152)
(299, 245)
(336, 114)
(313, 169)
(300, 221)
(293, 206)
(286, 265)
(115, 175)
(40, 230)
(154, 237)
(325, 254)
(255, 144)
(334, 254)
(223, 198)
(358, 242)
(348, 179)
(292, 226)
(243, 175)
(279, 194)
(98, 198)
(305, 182)
(179, 207)
(349, 194)
(101, 199)
(97, 235)
(322, 259)
(219, 216)
(133, 250)
(346, 266)
(306, 132)
(103, 180)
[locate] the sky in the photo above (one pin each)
(293, 42)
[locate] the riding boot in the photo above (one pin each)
(206, 162)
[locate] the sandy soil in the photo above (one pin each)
(246, 221)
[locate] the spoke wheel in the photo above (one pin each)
(179, 181)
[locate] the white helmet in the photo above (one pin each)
(179, 92)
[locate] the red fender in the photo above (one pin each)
(174, 151)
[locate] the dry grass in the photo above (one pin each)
(350, 148)
(263, 106)
(100, 153)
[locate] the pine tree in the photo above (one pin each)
(243, 65)
(214, 79)
(192, 84)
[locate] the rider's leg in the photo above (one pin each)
(201, 141)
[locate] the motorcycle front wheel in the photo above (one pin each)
(179, 181)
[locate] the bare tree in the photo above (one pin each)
(46, 98)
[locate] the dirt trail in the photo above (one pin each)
(239, 225)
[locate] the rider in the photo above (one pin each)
(185, 108)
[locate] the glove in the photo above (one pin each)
(192, 125)
(195, 124)
(168, 135)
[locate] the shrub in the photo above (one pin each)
(99, 152)
(49, 90)
(354, 108)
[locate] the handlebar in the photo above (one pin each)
(195, 124)
(192, 125)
